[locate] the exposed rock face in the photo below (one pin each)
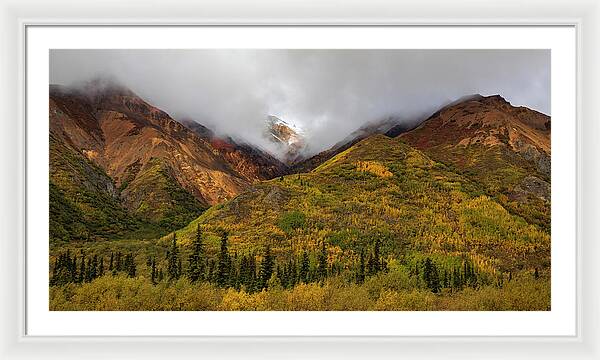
(250, 162)
(151, 157)
(288, 137)
(485, 121)
(532, 185)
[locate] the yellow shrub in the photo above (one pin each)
(374, 168)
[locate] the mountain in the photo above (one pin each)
(289, 138)
(390, 126)
(251, 162)
(150, 165)
(379, 188)
(471, 181)
(505, 148)
(451, 215)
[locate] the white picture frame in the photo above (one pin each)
(583, 16)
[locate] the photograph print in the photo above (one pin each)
(299, 180)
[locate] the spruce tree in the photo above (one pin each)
(173, 260)
(153, 271)
(223, 268)
(118, 266)
(131, 270)
(94, 268)
(244, 272)
(196, 259)
(360, 278)
(377, 256)
(82, 270)
(431, 276)
(101, 267)
(88, 270)
(72, 266)
(266, 267)
(304, 268)
(322, 265)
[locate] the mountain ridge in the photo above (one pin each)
(151, 158)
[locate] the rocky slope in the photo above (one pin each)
(289, 138)
(158, 169)
(379, 189)
(505, 148)
(249, 161)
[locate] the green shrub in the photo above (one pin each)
(291, 221)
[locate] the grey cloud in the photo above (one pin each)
(328, 93)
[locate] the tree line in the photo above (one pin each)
(70, 269)
(224, 270)
(244, 271)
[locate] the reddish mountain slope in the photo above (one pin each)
(250, 162)
(161, 170)
(505, 148)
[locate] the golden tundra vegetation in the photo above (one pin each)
(380, 226)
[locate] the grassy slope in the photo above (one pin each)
(499, 171)
(379, 189)
(350, 200)
(164, 200)
(85, 205)
(83, 201)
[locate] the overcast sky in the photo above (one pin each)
(328, 93)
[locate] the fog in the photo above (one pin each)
(327, 93)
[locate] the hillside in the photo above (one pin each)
(504, 148)
(380, 189)
(452, 215)
(249, 161)
(390, 127)
(145, 164)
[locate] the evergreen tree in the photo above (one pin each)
(361, 268)
(322, 265)
(430, 276)
(173, 260)
(223, 264)
(118, 266)
(196, 259)
(94, 268)
(101, 267)
(293, 275)
(153, 273)
(266, 267)
(377, 255)
(244, 272)
(110, 264)
(456, 281)
(130, 261)
(304, 268)
(72, 266)
(88, 270)
(179, 267)
(82, 270)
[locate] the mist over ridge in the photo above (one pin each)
(326, 93)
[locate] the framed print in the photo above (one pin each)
(334, 182)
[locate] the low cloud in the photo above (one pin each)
(328, 93)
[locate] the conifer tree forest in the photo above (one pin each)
(232, 280)
(382, 225)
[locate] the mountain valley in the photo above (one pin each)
(453, 213)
